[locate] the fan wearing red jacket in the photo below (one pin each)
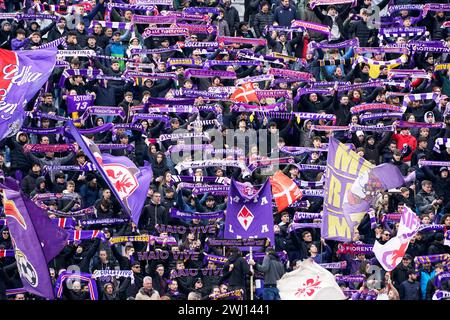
(405, 138)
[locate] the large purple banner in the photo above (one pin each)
(343, 168)
(249, 214)
(128, 182)
(36, 239)
(22, 74)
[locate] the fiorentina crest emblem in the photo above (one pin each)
(245, 217)
(122, 178)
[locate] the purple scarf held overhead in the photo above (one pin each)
(140, 19)
(104, 111)
(165, 32)
(42, 148)
(198, 73)
(174, 213)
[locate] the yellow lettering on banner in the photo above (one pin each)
(334, 190)
(338, 227)
(345, 162)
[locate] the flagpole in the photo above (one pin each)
(251, 276)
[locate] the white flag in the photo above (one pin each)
(391, 253)
(309, 282)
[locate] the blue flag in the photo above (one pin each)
(36, 239)
(22, 74)
(249, 214)
(128, 182)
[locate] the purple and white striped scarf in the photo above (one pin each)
(55, 43)
(401, 32)
(89, 73)
(401, 60)
(420, 96)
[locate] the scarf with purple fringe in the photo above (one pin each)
(166, 32)
(80, 276)
(419, 260)
(105, 221)
(86, 167)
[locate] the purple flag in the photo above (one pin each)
(368, 184)
(36, 239)
(352, 184)
(249, 214)
(128, 182)
(343, 167)
(79, 103)
(22, 74)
